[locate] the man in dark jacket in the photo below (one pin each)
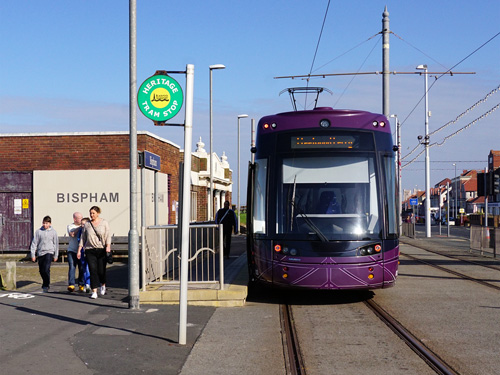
(227, 218)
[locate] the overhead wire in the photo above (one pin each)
(492, 92)
(317, 47)
(446, 72)
(355, 75)
(474, 106)
(484, 115)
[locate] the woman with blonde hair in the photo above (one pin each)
(96, 240)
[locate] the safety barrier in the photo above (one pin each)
(162, 262)
(484, 239)
(408, 230)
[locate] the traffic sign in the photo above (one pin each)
(152, 161)
(160, 97)
(413, 201)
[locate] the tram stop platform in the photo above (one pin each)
(235, 289)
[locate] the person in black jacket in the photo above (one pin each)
(227, 218)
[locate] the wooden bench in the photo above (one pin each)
(119, 246)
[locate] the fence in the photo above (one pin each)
(161, 259)
(408, 230)
(485, 238)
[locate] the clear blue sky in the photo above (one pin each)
(64, 67)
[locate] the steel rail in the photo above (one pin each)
(458, 274)
(431, 358)
(455, 257)
(293, 356)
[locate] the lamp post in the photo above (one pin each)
(427, 160)
(455, 194)
(398, 142)
(210, 189)
(239, 117)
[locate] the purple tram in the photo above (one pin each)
(321, 201)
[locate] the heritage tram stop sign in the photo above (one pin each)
(160, 98)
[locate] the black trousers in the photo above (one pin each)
(226, 236)
(44, 263)
(96, 259)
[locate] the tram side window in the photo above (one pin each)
(259, 199)
(392, 209)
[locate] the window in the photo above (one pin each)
(259, 199)
(194, 206)
(334, 195)
(392, 210)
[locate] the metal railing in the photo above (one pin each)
(161, 260)
(408, 230)
(484, 238)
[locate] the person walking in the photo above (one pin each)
(227, 218)
(96, 240)
(84, 279)
(45, 246)
(73, 262)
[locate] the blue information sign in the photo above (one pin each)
(413, 201)
(151, 161)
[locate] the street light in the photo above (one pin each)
(210, 188)
(427, 160)
(398, 142)
(239, 116)
(455, 194)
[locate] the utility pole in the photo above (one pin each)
(133, 234)
(385, 63)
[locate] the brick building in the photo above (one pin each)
(58, 173)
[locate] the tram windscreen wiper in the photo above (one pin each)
(309, 222)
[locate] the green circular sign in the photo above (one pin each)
(160, 98)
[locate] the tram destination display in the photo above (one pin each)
(323, 141)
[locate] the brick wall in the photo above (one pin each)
(26, 153)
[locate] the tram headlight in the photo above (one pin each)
(293, 252)
(375, 123)
(277, 248)
(285, 250)
(325, 123)
(370, 250)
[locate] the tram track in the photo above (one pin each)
(455, 273)
(431, 358)
(496, 268)
(294, 362)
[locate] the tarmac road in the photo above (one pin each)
(63, 333)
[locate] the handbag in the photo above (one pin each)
(109, 257)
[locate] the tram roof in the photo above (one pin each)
(338, 118)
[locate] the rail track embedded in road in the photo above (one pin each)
(458, 274)
(293, 357)
(431, 358)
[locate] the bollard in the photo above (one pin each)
(10, 279)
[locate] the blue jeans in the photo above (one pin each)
(84, 277)
(74, 262)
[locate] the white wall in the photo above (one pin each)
(60, 193)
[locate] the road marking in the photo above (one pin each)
(16, 295)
